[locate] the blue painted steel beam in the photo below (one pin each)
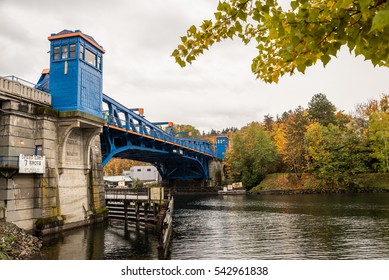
(127, 134)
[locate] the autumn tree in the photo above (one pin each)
(379, 137)
(336, 155)
(294, 153)
(293, 39)
(252, 155)
(116, 166)
(374, 105)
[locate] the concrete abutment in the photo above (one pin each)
(70, 191)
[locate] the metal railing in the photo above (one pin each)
(119, 116)
(126, 193)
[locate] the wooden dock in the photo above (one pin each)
(143, 208)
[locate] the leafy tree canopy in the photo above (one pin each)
(252, 155)
(321, 109)
(294, 39)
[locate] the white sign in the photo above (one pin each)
(156, 193)
(32, 164)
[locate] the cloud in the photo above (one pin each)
(217, 91)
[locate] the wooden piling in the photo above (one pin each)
(140, 211)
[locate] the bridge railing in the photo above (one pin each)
(122, 117)
(20, 88)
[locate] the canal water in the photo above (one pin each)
(271, 227)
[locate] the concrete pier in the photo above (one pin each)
(69, 191)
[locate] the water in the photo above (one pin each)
(334, 226)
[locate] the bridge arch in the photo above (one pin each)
(127, 134)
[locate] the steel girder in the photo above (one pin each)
(127, 134)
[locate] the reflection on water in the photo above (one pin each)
(101, 241)
(338, 226)
(283, 227)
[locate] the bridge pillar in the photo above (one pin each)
(70, 190)
(216, 172)
(80, 174)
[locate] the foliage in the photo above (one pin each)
(321, 148)
(293, 39)
(320, 109)
(335, 155)
(372, 106)
(116, 166)
(252, 155)
(138, 183)
(379, 137)
(294, 152)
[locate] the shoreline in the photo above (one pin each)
(314, 191)
(284, 183)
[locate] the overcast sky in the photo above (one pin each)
(217, 91)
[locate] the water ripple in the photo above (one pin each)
(282, 227)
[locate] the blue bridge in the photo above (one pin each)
(127, 134)
(76, 64)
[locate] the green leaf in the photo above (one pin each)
(238, 27)
(220, 6)
(190, 58)
(206, 24)
(192, 29)
(294, 5)
(301, 68)
(325, 58)
(380, 21)
(364, 8)
(345, 3)
(227, 7)
(180, 62)
(242, 15)
(218, 15)
(175, 53)
(290, 17)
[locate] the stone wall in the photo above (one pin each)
(71, 187)
(216, 172)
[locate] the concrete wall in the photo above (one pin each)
(72, 184)
(216, 169)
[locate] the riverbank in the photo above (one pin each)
(16, 243)
(285, 183)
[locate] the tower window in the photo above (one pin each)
(90, 57)
(64, 51)
(56, 52)
(72, 50)
(82, 50)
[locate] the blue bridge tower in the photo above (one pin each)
(76, 64)
(221, 144)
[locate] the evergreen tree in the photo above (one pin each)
(320, 109)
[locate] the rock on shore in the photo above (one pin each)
(16, 243)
